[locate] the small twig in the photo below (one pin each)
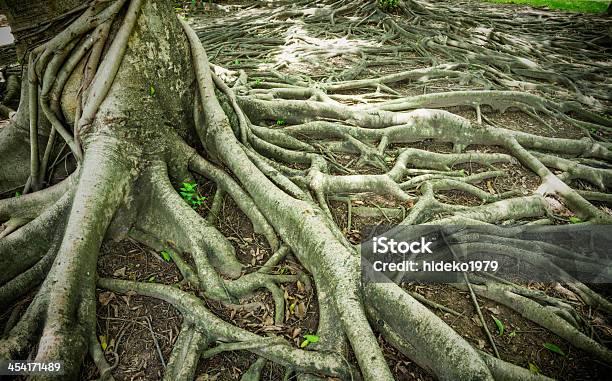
(243, 345)
(433, 304)
(349, 204)
(161, 357)
(474, 300)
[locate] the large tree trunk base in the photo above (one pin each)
(141, 109)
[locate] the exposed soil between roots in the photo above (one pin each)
(300, 123)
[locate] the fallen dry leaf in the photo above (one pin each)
(105, 297)
(300, 310)
(490, 187)
(494, 310)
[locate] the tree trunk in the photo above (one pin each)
(127, 86)
(33, 22)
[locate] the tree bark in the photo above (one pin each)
(27, 17)
(130, 92)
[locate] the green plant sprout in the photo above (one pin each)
(166, 255)
(309, 339)
(189, 192)
(499, 324)
(554, 348)
(534, 368)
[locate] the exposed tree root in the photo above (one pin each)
(132, 149)
(218, 330)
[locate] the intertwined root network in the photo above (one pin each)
(147, 109)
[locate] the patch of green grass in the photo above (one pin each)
(189, 192)
(591, 6)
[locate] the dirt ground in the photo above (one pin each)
(139, 332)
(522, 343)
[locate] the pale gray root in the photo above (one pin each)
(100, 36)
(330, 338)
(26, 281)
(32, 241)
(349, 184)
(46, 85)
(551, 184)
(497, 100)
(248, 283)
(97, 355)
(278, 179)
(596, 196)
(510, 208)
(254, 371)
(461, 133)
(297, 112)
(31, 205)
(444, 71)
(105, 75)
(441, 125)
(242, 346)
(546, 316)
(215, 207)
(13, 224)
(15, 153)
(87, 311)
(275, 197)
(514, 208)
(602, 178)
(590, 297)
(452, 184)
(455, 359)
(102, 186)
(33, 118)
(23, 335)
(441, 161)
(188, 231)
(46, 70)
(296, 227)
(189, 274)
(193, 309)
(500, 370)
(92, 17)
(433, 304)
(186, 353)
(426, 206)
(275, 259)
(240, 197)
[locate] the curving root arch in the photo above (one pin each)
(128, 88)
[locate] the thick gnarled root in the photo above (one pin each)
(281, 178)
